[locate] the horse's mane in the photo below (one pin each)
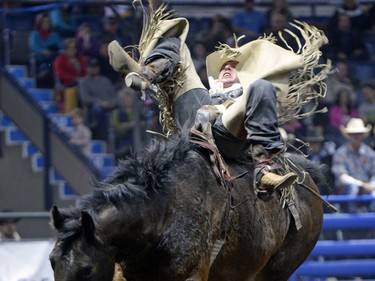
(141, 177)
(146, 174)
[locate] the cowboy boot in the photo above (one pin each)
(120, 60)
(266, 180)
(151, 73)
(137, 76)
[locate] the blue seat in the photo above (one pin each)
(17, 71)
(66, 191)
(27, 82)
(49, 107)
(28, 149)
(98, 146)
(37, 162)
(101, 160)
(14, 136)
(5, 122)
(62, 120)
(55, 177)
(41, 94)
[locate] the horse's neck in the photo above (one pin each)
(121, 226)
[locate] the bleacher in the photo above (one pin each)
(100, 157)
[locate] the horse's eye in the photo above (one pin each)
(85, 272)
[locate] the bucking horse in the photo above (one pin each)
(165, 215)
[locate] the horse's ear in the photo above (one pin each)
(57, 218)
(87, 225)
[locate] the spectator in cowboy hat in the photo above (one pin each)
(353, 163)
(8, 228)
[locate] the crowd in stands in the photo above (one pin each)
(72, 59)
(72, 56)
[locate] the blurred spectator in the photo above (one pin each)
(371, 138)
(366, 108)
(353, 163)
(218, 31)
(118, 10)
(80, 136)
(64, 21)
(123, 122)
(321, 119)
(294, 127)
(68, 68)
(341, 112)
(280, 7)
(319, 150)
(338, 80)
(202, 73)
(44, 45)
(105, 68)
(98, 97)
(355, 12)
(158, 3)
(112, 30)
(8, 228)
(345, 41)
(87, 43)
(371, 19)
(151, 114)
(199, 54)
(249, 22)
(277, 23)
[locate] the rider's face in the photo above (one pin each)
(228, 74)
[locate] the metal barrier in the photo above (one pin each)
(345, 258)
(348, 198)
(25, 215)
(349, 221)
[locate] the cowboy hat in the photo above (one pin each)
(355, 126)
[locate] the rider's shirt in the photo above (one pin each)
(219, 94)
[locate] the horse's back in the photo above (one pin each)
(263, 239)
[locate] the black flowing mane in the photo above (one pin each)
(139, 178)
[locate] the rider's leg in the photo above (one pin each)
(254, 117)
(159, 66)
(156, 68)
(261, 124)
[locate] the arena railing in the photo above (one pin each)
(343, 258)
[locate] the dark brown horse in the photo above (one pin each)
(165, 217)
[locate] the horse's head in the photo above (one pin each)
(79, 253)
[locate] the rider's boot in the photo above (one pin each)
(266, 180)
(151, 73)
(137, 76)
(120, 60)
